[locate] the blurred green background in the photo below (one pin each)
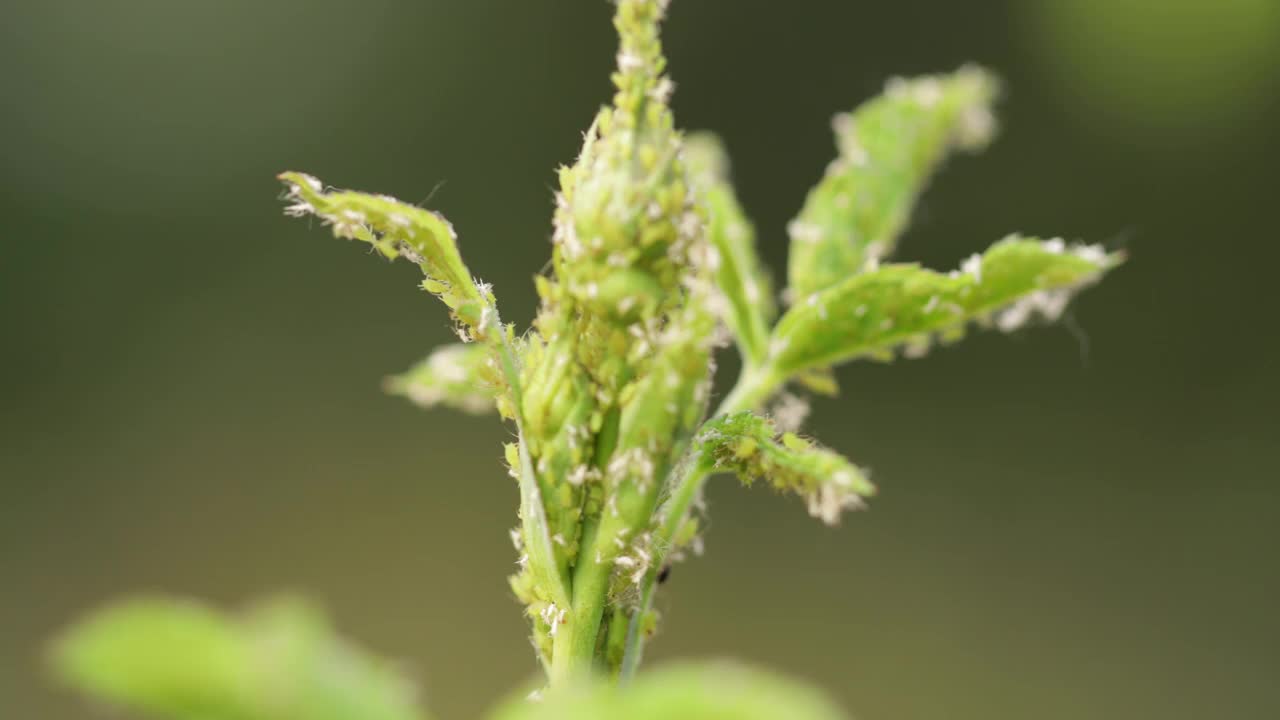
(1079, 521)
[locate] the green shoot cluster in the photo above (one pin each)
(654, 267)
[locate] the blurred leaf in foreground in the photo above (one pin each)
(686, 691)
(182, 660)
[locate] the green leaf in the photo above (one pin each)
(745, 287)
(750, 446)
(685, 691)
(398, 229)
(889, 147)
(304, 671)
(458, 376)
(179, 659)
(171, 658)
(907, 307)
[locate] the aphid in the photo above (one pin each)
(664, 573)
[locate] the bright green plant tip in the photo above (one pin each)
(457, 376)
(905, 307)
(745, 289)
(749, 446)
(889, 148)
(180, 660)
(686, 691)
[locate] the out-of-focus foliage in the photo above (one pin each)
(182, 660)
(687, 691)
(452, 375)
(1157, 71)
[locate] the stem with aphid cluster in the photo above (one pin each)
(651, 251)
(653, 261)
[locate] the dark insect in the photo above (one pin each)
(664, 573)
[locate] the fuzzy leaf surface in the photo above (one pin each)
(906, 307)
(398, 229)
(749, 446)
(889, 147)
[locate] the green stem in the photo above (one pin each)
(753, 388)
(573, 650)
(635, 644)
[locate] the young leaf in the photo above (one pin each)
(750, 446)
(746, 289)
(686, 691)
(906, 306)
(455, 376)
(888, 149)
(181, 660)
(398, 229)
